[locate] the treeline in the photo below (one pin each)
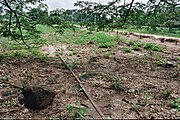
(18, 19)
(119, 14)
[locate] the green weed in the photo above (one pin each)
(113, 78)
(107, 45)
(130, 43)
(39, 41)
(178, 58)
(153, 47)
(165, 93)
(72, 64)
(117, 86)
(104, 41)
(87, 74)
(126, 50)
(136, 47)
(45, 29)
(134, 106)
(51, 118)
(9, 104)
(162, 62)
(176, 104)
(76, 112)
(147, 98)
(108, 54)
(70, 48)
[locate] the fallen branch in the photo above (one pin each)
(84, 90)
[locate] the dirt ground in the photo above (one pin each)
(147, 88)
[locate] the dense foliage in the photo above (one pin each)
(119, 13)
(19, 19)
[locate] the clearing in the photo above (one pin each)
(127, 77)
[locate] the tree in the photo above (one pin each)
(120, 13)
(19, 19)
(15, 23)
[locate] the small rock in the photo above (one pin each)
(37, 97)
(131, 90)
(169, 64)
(173, 111)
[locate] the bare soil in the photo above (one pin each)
(144, 82)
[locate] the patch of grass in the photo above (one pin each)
(176, 104)
(73, 63)
(104, 41)
(113, 78)
(162, 62)
(130, 43)
(45, 29)
(147, 98)
(9, 104)
(107, 45)
(80, 41)
(117, 86)
(165, 93)
(121, 40)
(153, 47)
(137, 47)
(108, 54)
(134, 106)
(51, 118)
(70, 48)
(87, 74)
(78, 37)
(39, 41)
(76, 112)
(13, 54)
(18, 54)
(126, 50)
(178, 58)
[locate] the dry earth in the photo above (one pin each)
(144, 83)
